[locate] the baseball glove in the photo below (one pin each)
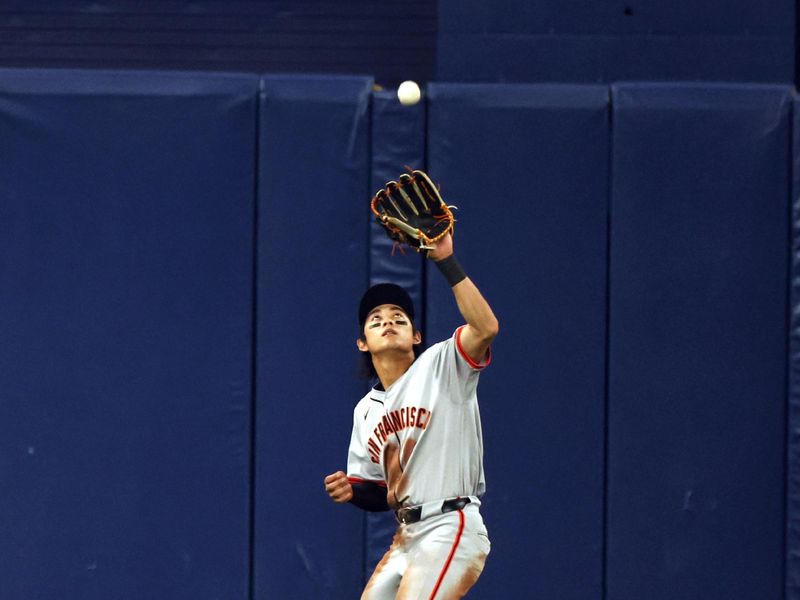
(412, 211)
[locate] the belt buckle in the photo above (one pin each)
(406, 515)
(455, 504)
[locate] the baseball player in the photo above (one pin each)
(416, 446)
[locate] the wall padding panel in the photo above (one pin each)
(126, 269)
(697, 364)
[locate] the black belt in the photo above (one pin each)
(412, 514)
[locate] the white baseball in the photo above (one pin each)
(408, 93)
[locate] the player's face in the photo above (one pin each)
(388, 328)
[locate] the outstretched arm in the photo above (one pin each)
(482, 325)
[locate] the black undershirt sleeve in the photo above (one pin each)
(369, 496)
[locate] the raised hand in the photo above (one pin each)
(442, 249)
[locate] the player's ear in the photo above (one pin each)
(362, 344)
(417, 337)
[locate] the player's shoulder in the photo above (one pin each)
(370, 399)
(434, 350)
(362, 402)
(449, 354)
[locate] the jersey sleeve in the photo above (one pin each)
(476, 366)
(360, 466)
(457, 371)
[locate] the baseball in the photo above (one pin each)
(408, 93)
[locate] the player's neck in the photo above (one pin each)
(392, 367)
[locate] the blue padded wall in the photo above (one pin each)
(698, 341)
(527, 166)
(136, 310)
(576, 40)
(398, 141)
(126, 250)
(314, 176)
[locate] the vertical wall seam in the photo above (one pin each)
(607, 358)
(789, 357)
(423, 285)
(254, 346)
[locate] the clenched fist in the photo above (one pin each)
(338, 488)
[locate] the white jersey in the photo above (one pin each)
(422, 437)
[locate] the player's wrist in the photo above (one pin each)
(451, 269)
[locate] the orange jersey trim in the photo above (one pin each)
(470, 361)
(359, 480)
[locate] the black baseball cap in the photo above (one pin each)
(384, 293)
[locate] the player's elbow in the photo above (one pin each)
(494, 329)
(490, 329)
